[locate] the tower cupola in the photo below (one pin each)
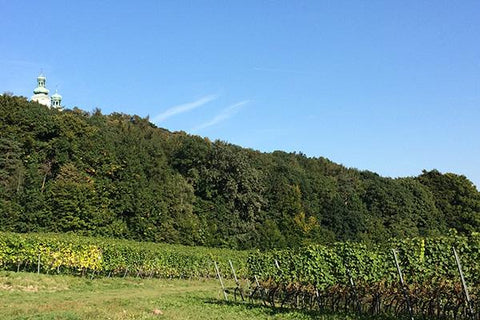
(56, 100)
(41, 89)
(41, 92)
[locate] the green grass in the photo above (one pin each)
(32, 296)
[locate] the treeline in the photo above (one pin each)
(119, 175)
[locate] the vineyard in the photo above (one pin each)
(86, 256)
(418, 278)
(350, 277)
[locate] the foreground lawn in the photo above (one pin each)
(32, 296)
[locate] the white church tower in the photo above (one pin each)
(40, 92)
(56, 100)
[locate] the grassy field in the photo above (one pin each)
(32, 296)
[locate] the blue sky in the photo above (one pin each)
(387, 86)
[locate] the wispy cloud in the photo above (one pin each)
(226, 113)
(183, 108)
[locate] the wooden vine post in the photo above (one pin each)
(464, 285)
(260, 288)
(221, 281)
(356, 302)
(404, 288)
(263, 291)
(238, 288)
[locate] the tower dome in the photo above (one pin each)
(41, 80)
(41, 92)
(56, 100)
(56, 96)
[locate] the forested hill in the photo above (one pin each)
(121, 176)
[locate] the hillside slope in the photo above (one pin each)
(119, 175)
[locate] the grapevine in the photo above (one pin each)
(351, 277)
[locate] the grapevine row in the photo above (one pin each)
(71, 254)
(352, 277)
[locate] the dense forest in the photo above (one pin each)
(120, 176)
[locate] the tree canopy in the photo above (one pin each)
(119, 175)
